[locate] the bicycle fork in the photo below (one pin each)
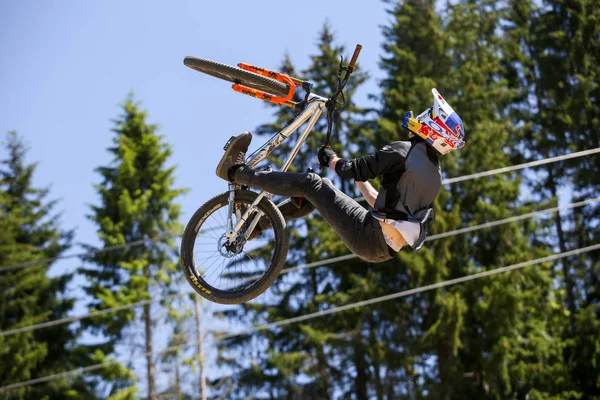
(310, 115)
(232, 234)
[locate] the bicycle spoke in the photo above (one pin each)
(206, 258)
(220, 275)
(223, 219)
(229, 266)
(213, 237)
(255, 263)
(205, 270)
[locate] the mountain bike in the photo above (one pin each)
(220, 256)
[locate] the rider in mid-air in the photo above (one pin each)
(410, 179)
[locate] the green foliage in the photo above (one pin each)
(303, 351)
(415, 60)
(524, 76)
(509, 68)
(136, 204)
(30, 230)
(558, 42)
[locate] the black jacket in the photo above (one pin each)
(410, 178)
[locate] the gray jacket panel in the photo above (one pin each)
(420, 183)
(410, 176)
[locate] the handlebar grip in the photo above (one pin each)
(354, 56)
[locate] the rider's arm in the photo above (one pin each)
(333, 162)
(368, 192)
(368, 167)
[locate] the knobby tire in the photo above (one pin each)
(277, 261)
(237, 75)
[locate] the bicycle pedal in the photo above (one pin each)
(228, 143)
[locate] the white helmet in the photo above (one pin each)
(439, 125)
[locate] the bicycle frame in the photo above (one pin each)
(310, 113)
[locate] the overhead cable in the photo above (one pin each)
(333, 310)
(86, 253)
(328, 261)
(530, 164)
(445, 181)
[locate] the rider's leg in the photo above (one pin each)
(357, 228)
(289, 210)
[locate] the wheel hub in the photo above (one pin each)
(229, 248)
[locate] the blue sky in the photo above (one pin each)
(65, 67)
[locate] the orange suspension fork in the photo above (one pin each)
(271, 98)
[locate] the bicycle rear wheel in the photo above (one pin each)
(237, 75)
(226, 273)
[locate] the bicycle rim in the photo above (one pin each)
(232, 273)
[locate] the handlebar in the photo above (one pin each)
(354, 57)
(348, 69)
(332, 102)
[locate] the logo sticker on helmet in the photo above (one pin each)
(435, 135)
(458, 131)
(439, 125)
(454, 124)
(425, 131)
(435, 126)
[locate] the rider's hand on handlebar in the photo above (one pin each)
(325, 155)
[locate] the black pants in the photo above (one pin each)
(357, 228)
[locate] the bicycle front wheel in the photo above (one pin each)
(237, 75)
(229, 273)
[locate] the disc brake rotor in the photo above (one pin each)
(229, 249)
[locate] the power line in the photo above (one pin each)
(530, 164)
(502, 170)
(457, 232)
(513, 219)
(300, 267)
(73, 372)
(410, 291)
(86, 253)
(445, 181)
(392, 296)
(88, 315)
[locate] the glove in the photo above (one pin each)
(325, 155)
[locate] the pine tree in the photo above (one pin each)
(174, 362)
(575, 28)
(416, 58)
(30, 230)
(307, 348)
(490, 317)
(566, 54)
(136, 203)
(463, 59)
(558, 44)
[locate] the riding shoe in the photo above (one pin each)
(235, 154)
